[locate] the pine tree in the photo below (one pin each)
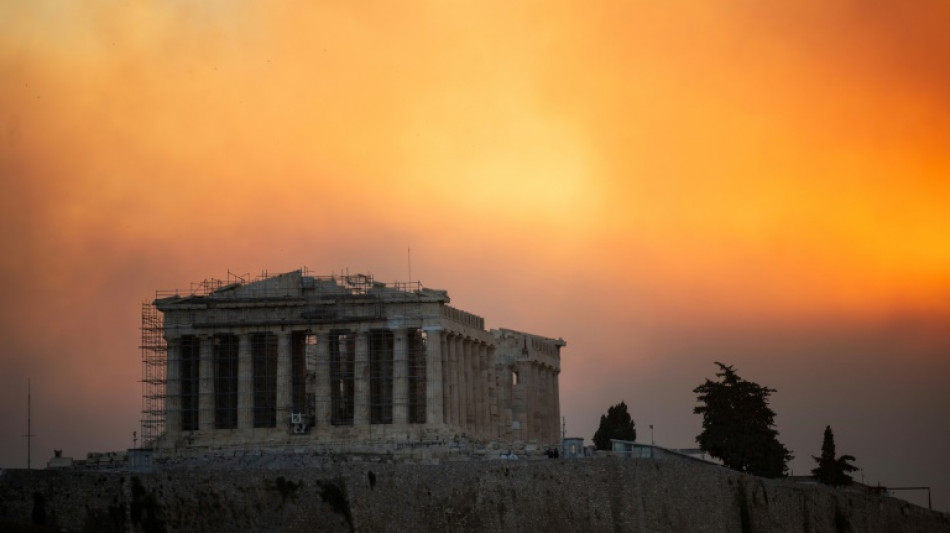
(832, 470)
(738, 425)
(616, 424)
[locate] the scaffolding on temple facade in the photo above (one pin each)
(211, 393)
(154, 358)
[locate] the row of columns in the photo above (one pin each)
(466, 376)
(541, 406)
(322, 417)
(361, 377)
(460, 385)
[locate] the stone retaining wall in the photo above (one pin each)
(592, 494)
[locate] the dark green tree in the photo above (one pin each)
(832, 470)
(738, 425)
(616, 424)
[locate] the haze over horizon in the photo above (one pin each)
(662, 184)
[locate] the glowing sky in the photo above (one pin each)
(661, 183)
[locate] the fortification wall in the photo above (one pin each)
(595, 494)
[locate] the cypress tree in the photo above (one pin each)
(832, 470)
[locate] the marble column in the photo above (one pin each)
(473, 379)
(284, 373)
(539, 401)
(550, 422)
(433, 371)
(446, 390)
(539, 406)
(453, 379)
(400, 376)
(463, 384)
(173, 413)
(322, 386)
(460, 381)
(491, 394)
(494, 395)
(483, 403)
(477, 387)
(524, 386)
(205, 383)
(361, 380)
(530, 401)
(245, 399)
(542, 403)
(520, 402)
(446, 383)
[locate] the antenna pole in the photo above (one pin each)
(29, 433)
(409, 261)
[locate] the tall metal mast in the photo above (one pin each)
(29, 434)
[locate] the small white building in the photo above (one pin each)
(574, 447)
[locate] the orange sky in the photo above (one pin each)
(660, 183)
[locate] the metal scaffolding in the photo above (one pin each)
(154, 355)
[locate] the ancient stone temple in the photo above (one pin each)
(296, 359)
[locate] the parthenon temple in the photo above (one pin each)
(337, 360)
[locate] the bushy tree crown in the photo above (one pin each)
(738, 425)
